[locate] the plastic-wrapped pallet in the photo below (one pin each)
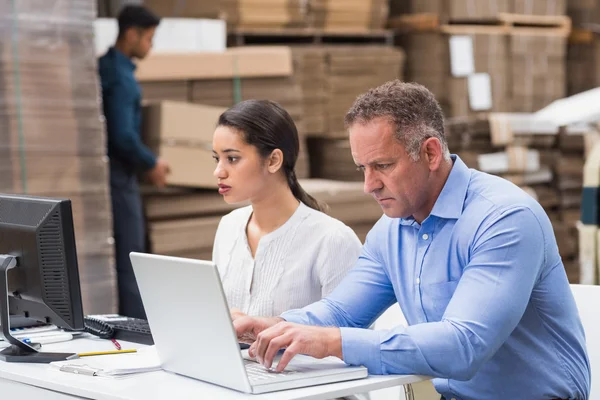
(52, 136)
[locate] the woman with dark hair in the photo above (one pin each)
(281, 252)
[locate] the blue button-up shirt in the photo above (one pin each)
(483, 288)
(121, 97)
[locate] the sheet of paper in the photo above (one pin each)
(462, 62)
(480, 92)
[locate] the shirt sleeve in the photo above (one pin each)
(488, 303)
(340, 251)
(120, 116)
(363, 294)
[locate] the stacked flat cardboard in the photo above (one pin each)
(462, 10)
(331, 78)
(184, 222)
(53, 140)
(332, 159)
(400, 7)
(469, 135)
(486, 54)
(583, 58)
(420, 49)
(237, 13)
(350, 72)
(489, 53)
(311, 74)
(569, 182)
(348, 14)
(538, 70)
(540, 7)
(484, 69)
(153, 92)
(480, 10)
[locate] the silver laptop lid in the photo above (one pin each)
(189, 318)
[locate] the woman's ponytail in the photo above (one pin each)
(301, 194)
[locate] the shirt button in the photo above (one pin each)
(425, 237)
(418, 280)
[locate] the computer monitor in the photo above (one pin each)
(39, 276)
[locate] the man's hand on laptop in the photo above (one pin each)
(296, 339)
(247, 328)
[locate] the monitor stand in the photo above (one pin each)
(19, 351)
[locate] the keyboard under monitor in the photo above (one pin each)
(137, 330)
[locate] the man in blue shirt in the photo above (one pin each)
(471, 259)
(128, 155)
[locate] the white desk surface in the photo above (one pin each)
(165, 385)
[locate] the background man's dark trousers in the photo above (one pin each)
(129, 233)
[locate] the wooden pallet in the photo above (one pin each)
(414, 23)
(240, 37)
(505, 22)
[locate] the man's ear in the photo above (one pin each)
(275, 161)
(433, 153)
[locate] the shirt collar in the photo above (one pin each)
(451, 200)
(122, 58)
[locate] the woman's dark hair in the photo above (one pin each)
(267, 126)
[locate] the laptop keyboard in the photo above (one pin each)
(256, 372)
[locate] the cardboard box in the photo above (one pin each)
(154, 92)
(239, 62)
(182, 134)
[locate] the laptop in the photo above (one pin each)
(194, 336)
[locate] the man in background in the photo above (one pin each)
(128, 155)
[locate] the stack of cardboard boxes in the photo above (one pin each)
(569, 184)
(537, 69)
(181, 132)
(545, 161)
(583, 59)
(502, 67)
(348, 71)
(224, 79)
(53, 141)
(584, 46)
(184, 222)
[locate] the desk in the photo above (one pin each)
(42, 381)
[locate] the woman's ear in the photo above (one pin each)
(275, 161)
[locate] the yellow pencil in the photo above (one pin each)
(102, 353)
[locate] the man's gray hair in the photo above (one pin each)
(412, 108)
